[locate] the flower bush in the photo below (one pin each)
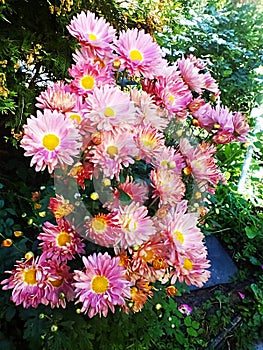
(131, 143)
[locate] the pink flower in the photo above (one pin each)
(242, 295)
(60, 241)
(241, 127)
(138, 53)
(103, 229)
(60, 290)
(147, 111)
(185, 309)
(91, 31)
(28, 280)
(191, 268)
(135, 224)
(51, 139)
(109, 107)
(113, 153)
(180, 229)
(149, 142)
(168, 187)
(137, 191)
(87, 76)
(200, 161)
(170, 160)
(57, 98)
(101, 285)
(191, 76)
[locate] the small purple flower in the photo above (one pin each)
(185, 309)
(242, 296)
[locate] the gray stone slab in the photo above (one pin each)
(223, 269)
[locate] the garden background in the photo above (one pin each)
(35, 49)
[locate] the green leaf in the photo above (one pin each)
(188, 321)
(124, 197)
(250, 233)
(191, 331)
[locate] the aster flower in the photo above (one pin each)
(191, 76)
(136, 225)
(28, 282)
(180, 229)
(51, 139)
(137, 191)
(59, 290)
(87, 76)
(168, 186)
(113, 153)
(147, 111)
(103, 229)
(109, 107)
(91, 31)
(60, 241)
(200, 161)
(57, 98)
(241, 127)
(169, 159)
(101, 285)
(149, 141)
(191, 268)
(138, 53)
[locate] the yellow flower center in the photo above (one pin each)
(63, 238)
(171, 99)
(87, 82)
(50, 141)
(136, 55)
(188, 265)
(99, 284)
(109, 112)
(92, 37)
(29, 276)
(179, 236)
(75, 117)
(112, 151)
(164, 163)
(130, 225)
(99, 224)
(148, 141)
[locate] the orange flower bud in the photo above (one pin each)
(7, 242)
(18, 233)
(171, 291)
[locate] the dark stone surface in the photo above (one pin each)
(222, 268)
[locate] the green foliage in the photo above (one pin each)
(229, 38)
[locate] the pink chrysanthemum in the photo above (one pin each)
(168, 187)
(138, 53)
(109, 107)
(136, 191)
(91, 31)
(51, 139)
(191, 76)
(180, 229)
(191, 268)
(102, 284)
(88, 55)
(87, 76)
(136, 226)
(57, 98)
(147, 111)
(149, 141)
(103, 229)
(60, 290)
(169, 159)
(28, 281)
(241, 127)
(115, 152)
(60, 241)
